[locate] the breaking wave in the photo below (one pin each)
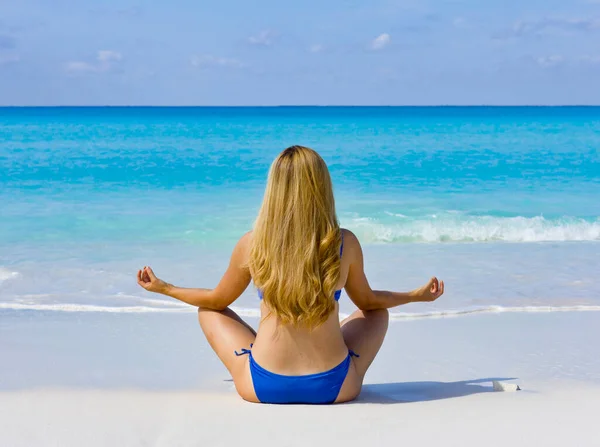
(455, 228)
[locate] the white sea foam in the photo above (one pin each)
(395, 214)
(452, 228)
(255, 312)
(492, 310)
(6, 274)
(151, 301)
(159, 302)
(67, 307)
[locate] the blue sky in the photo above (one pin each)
(234, 52)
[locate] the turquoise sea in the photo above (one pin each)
(501, 202)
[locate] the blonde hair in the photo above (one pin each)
(295, 251)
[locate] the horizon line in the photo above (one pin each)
(291, 105)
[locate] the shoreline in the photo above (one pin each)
(177, 308)
(478, 276)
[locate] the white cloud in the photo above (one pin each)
(550, 61)
(556, 60)
(106, 60)
(207, 61)
(553, 25)
(316, 48)
(264, 38)
(381, 41)
(106, 56)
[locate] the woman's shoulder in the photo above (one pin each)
(349, 236)
(350, 241)
(242, 247)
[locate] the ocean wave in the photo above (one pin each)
(491, 310)
(152, 301)
(449, 227)
(6, 274)
(67, 307)
(255, 312)
(395, 214)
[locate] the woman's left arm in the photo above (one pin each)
(232, 285)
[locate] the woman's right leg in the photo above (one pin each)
(363, 333)
(226, 333)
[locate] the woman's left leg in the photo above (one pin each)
(363, 333)
(226, 333)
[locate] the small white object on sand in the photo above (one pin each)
(501, 386)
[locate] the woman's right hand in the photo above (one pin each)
(430, 291)
(148, 280)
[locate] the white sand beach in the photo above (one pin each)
(561, 417)
(153, 381)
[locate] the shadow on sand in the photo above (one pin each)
(404, 392)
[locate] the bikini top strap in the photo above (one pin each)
(342, 245)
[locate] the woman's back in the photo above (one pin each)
(296, 351)
(291, 350)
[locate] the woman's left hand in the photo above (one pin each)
(148, 280)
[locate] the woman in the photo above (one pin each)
(299, 259)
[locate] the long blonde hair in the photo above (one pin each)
(295, 251)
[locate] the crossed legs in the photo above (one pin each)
(226, 332)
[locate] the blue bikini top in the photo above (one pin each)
(337, 293)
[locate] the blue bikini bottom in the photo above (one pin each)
(320, 388)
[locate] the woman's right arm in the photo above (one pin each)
(233, 283)
(360, 292)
